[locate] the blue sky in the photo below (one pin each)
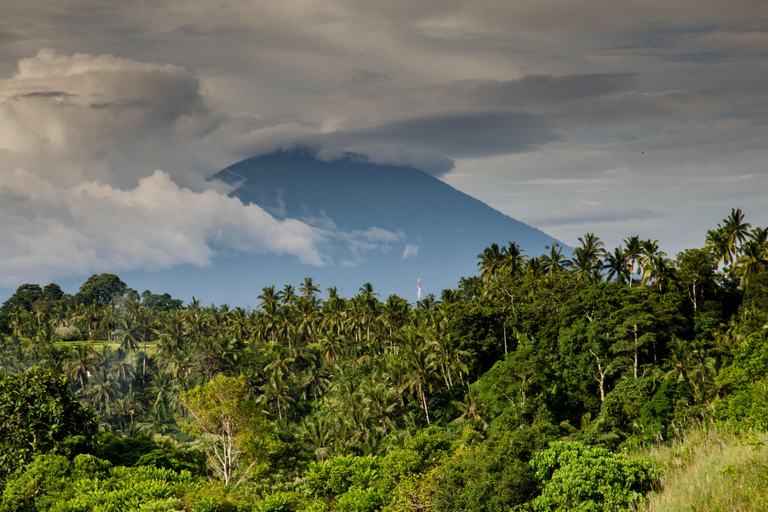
(618, 118)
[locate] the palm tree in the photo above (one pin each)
(681, 361)
(491, 260)
(587, 261)
(109, 320)
(129, 335)
(309, 289)
(719, 244)
(752, 262)
(102, 391)
(513, 259)
(649, 258)
(317, 434)
(268, 296)
(421, 367)
(617, 266)
(632, 254)
(81, 364)
(469, 409)
(278, 391)
(289, 295)
(736, 229)
(554, 261)
(145, 327)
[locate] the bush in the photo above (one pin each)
(577, 477)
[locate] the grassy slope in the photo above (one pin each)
(712, 469)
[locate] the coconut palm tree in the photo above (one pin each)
(736, 229)
(649, 258)
(554, 261)
(309, 289)
(278, 391)
(513, 260)
(491, 261)
(102, 391)
(81, 364)
(617, 266)
(633, 253)
(752, 262)
(288, 296)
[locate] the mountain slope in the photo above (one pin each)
(435, 231)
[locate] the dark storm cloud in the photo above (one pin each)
(537, 89)
(465, 135)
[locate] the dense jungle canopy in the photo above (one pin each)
(551, 382)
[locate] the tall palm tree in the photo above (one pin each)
(277, 390)
(288, 296)
(309, 289)
(617, 266)
(513, 259)
(752, 262)
(587, 259)
(81, 364)
(718, 243)
(103, 390)
(129, 335)
(554, 261)
(145, 327)
(633, 253)
(649, 257)
(736, 228)
(491, 260)
(269, 296)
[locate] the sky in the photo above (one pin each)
(644, 118)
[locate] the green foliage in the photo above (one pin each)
(100, 289)
(44, 482)
(577, 477)
(336, 476)
(494, 476)
(39, 415)
(235, 437)
(142, 450)
(130, 489)
(633, 403)
(746, 402)
(657, 414)
(496, 365)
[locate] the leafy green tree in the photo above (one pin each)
(43, 483)
(39, 415)
(100, 289)
(236, 440)
(577, 477)
(696, 272)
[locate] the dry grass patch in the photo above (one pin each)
(712, 468)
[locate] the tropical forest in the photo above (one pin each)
(584, 379)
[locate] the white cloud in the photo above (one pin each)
(90, 227)
(411, 251)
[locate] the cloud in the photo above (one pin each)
(462, 134)
(411, 251)
(86, 117)
(92, 227)
(597, 217)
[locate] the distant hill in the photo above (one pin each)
(439, 230)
